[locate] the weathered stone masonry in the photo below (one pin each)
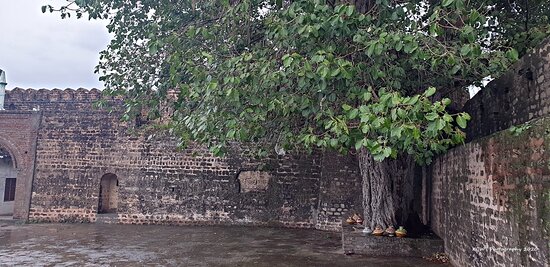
(490, 198)
(77, 145)
(519, 95)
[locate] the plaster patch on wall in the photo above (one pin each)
(253, 181)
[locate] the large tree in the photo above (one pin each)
(355, 76)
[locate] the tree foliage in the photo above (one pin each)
(520, 24)
(305, 73)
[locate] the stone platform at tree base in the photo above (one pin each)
(356, 242)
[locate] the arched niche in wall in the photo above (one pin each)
(108, 194)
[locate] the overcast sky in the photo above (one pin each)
(43, 51)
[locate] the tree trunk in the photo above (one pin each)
(387, 189)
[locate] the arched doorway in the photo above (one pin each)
(18, 136)
(8, 178)
(108, 194)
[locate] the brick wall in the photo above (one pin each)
(519, 95)
(340, 190)
(161, 184)
(490, 198)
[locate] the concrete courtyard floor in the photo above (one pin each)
(132, 245)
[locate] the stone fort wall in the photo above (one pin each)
(490, 198)
(519, 95)
(161, 184)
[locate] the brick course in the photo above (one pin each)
(161, 184)
(519, 95)
(490, 198)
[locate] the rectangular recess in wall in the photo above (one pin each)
(9, 189)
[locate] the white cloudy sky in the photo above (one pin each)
(43, 51)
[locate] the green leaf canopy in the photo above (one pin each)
(295, 74)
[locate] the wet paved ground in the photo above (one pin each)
(131, 245)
